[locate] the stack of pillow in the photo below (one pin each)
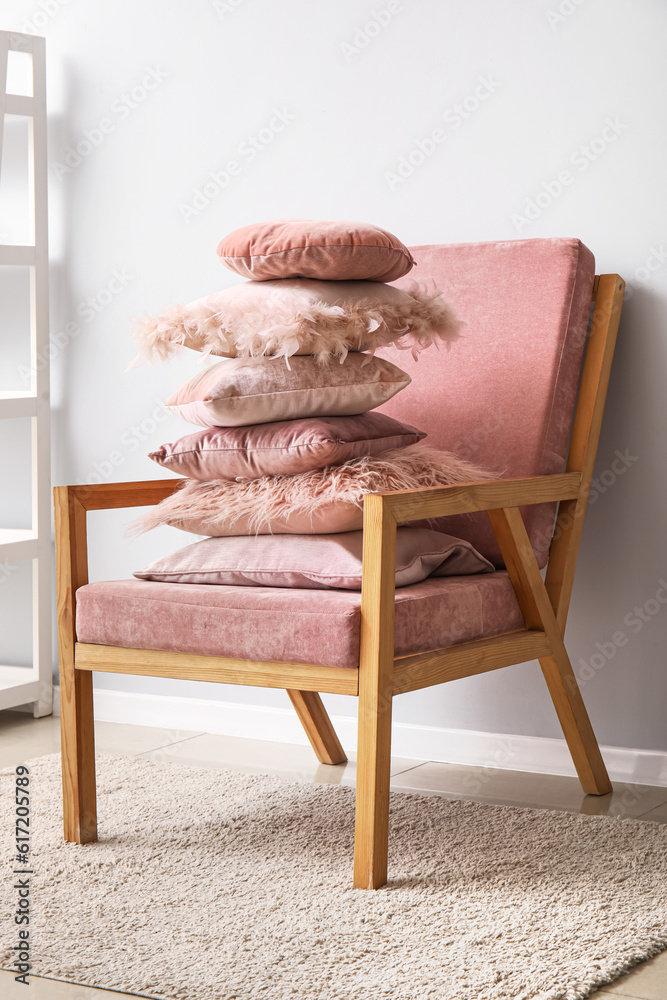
(290, 443)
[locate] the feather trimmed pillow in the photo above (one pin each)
(298, 316)
(314, 562)
(320, 502)
(283, 448)
(245, 391)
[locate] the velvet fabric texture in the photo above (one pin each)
(264, 390)
(314, 562)
(504, 398)
(298, 316)
(292, 626)
(309, 248)
(286, 447)
(321, 501)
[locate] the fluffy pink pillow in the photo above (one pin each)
(246, 391)
(298, 316)
(314, 562)
(308, 248)
(283, 448)
(323, 501)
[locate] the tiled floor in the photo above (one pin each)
(22, 737)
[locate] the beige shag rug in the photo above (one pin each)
(209, 885)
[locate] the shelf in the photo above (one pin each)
(17, 404)
(17, 543)
(18, 686)
(19, 104)
(17, 255)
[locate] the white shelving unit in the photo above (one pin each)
(21, 685)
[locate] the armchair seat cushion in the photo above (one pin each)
(289, 625)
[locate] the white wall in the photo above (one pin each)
(355, 105)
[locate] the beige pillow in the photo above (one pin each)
(323, 501)
(246, 391)
(315, 562)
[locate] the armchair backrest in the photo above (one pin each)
(504, 394)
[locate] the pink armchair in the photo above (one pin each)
(504, 396)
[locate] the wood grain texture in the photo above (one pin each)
(317, 724)
(575, 723)
(107, 496)
(538, 612)
(411, 673)
(412, 505)
(193, 667)
(376, 667)
(584, 441)
(76, 690)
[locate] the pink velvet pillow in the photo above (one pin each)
(309, 248)
(283, 448)
(314, 562)
(247, 391)
(322, 501)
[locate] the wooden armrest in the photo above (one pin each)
(105, 496)
(413, 505)
(405, 505)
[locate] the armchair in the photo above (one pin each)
(528, 622)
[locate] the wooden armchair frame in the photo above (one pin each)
(380, 676)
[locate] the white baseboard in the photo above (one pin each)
(454, 746)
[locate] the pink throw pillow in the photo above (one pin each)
(323, 501)
(283, 448)
(309, 248)
(314, 562)
(297, 316)
(246, 391)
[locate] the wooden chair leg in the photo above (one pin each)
(371, 835)
(77, 739)
(575, 723)
(538, 613)
(315, 720)
(376, 680)
(77, 735)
